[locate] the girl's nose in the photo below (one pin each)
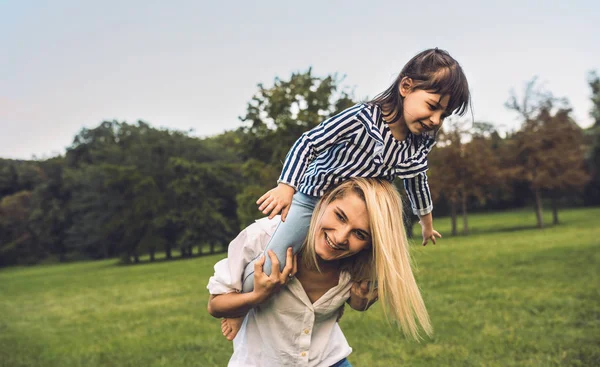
(436, 118)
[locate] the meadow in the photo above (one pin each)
(505, 295)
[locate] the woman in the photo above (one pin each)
(355, 237)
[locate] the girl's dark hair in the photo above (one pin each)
(432, 70)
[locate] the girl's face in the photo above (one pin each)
(344, 228)
(423, 111)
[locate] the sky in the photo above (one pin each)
(194, 65)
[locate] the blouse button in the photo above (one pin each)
(303, 354)
(306, 331)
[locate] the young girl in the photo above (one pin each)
(356, 234)
(387, 137)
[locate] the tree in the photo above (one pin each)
(464, 168)
(18, 244)
(50, 214)
(203, 194)
(594, 82)
(548, 149)
(445, 174)
(278, 115)
(592, 137)
(258, 177)
(9, 180)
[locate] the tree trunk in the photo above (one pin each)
(212, 247)
(136, 258)
(453, 216)
(62, 256)
(538, 208)
(554, 210)
(168, 251)
(464, 215)
(152, 251)
(106, 250)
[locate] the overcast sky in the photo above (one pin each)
(186, 65)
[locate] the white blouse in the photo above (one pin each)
(288, 329)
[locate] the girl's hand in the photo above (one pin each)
(426, 222)
(277, 200)
(267, 285)
(360, 297)
(429, 233)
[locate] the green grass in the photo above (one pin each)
(507, 295)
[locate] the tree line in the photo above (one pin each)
(127, 190)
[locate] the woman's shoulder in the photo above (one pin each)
(254, 238)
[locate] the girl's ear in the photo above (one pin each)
(405, 87)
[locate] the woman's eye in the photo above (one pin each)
(340, 217)
(360, 236)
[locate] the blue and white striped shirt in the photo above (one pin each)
(358, 143)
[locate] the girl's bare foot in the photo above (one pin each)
(231, 326)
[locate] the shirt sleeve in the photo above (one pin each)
(248, 245)
(419, 195)
(315, 141)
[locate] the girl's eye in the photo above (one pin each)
(431, 107)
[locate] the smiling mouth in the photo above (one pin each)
(330, 244)
(425, 127)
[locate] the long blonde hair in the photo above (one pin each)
(388, 260)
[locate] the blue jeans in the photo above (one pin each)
(292, 233)
(343, 363)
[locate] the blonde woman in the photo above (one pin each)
(356, 237)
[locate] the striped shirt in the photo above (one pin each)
(357, 142)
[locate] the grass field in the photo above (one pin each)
(507, 295)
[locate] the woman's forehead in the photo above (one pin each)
(354, 207)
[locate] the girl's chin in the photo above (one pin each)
(416, 130)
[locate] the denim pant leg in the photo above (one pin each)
(292, 233)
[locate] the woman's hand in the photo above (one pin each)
(360, 296)
(267, 285)
(277, 200)
(238, 304)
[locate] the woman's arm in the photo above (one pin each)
(231, 304)
(360, 297)
(265, 286)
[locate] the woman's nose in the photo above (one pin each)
(343, 235)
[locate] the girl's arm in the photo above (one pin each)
(417, 189)
(419, 195)
(309, 146)
(313, 142)
(426, 222)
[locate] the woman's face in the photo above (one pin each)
(344, 228)
(423, 111)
